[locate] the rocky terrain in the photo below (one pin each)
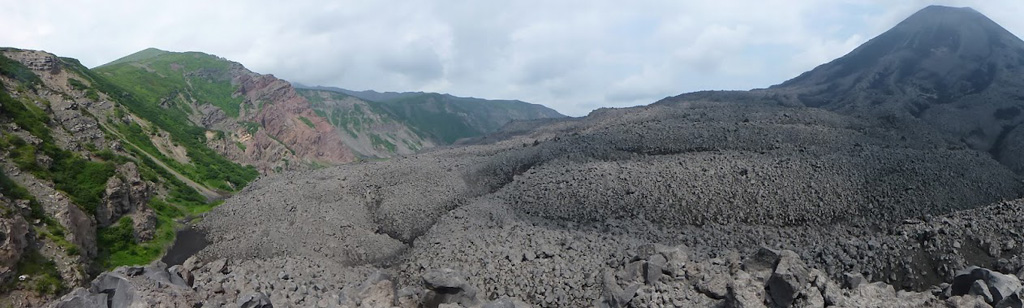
(710, 199)
(502, 220)
(953, 68)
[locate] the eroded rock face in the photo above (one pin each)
(13, 240)
(81, 227)
(126, 192)
(283, 120)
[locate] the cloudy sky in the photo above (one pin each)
(573, 56)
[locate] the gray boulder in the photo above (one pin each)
(967, 301)
(446, 286)
(376, 291)
(999, 285)
(979, 288)
(218, 266)
(852, 281)
(613, 295)
(82, 298)
(157, 271)
(788, 278)
(653, 269)
(254, 300)
(119, 291)
(745, 292)
(763, 260)
(180, 276)
(1015, 300)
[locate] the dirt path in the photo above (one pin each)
(211, 195)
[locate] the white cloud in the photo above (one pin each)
(570, 55)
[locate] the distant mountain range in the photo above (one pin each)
(443, 118)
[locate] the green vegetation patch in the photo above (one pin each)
(43, 276)
(142, 93)
(18, 72)
(82, 179)
(382, 143)
(307, 121)
(251, 127)
(161, 76)
(435, 116)
(118, 245)
(77, 84)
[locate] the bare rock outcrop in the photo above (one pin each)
(288, 118)
(13, 239)
(148, 286)
(126, 193)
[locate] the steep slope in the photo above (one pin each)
(83, 182)
(444, 118)
(950, 67)
(366, 127)
(250, 118)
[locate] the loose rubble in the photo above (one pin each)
(718, 204)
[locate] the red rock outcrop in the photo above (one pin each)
(282, 117)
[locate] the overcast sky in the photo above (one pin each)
(573, 56)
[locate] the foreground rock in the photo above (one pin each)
(150, 286)
(767, 278)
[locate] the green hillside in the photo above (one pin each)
(446, 118)
(144, 81)
(51, 148)
(366, 122)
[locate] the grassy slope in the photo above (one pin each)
(141, 86)
(355, 121)
(84, 178)
(140, 82)
(432, 117)
(445, 118)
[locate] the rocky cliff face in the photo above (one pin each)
(128, 194)
(14, 232)
(290, 119)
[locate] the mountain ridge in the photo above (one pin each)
(445, 118)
